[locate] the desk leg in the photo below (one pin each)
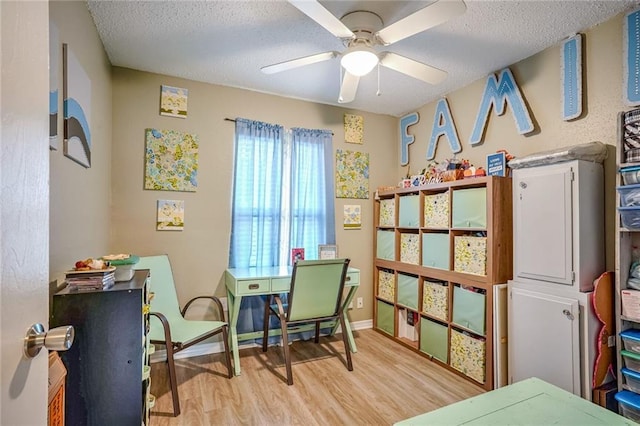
(347, 301)
(233, 305)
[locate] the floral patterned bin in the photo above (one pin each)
(387, 212)
(470, 254)
(436, 210)
(435, 297)
(410, 248)
(467, 355)
(386, 285)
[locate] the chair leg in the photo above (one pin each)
(345, 339)
(285, 348)
(317, 338)
(172, 379)
(267, 309)
(227, 355)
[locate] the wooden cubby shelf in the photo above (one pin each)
(440, 250)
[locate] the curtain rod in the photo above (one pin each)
(232, 120)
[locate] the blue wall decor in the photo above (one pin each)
(631, 58)
(76, 109)
(497, 92)
(443, 125)
(571, 75)
(405, 138)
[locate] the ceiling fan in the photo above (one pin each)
(361, 31)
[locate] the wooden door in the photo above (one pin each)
(24, 206)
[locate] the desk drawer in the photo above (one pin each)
(280, 285)
(253, 286)
(353, 278)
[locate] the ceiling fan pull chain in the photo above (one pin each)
(378, 93)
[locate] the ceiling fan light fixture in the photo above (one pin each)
(359, 60)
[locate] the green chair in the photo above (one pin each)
(315, 296)
(168, 325)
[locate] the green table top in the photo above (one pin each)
(529, 402)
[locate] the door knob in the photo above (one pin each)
(56, 339)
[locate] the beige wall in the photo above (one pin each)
(539, 80)
(199, 253)
(81, 198)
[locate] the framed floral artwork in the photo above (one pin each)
(352, 174)
(170, 215)
(171, 161)
(173, 101)
(353, 128)
(352, 217)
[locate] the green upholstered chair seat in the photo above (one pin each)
(183, 330)
(167, 324)
(315, 295)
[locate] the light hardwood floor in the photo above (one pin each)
(389, 383)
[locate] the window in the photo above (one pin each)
(282, 193)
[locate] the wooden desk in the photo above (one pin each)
(529, 402)
(276, 280)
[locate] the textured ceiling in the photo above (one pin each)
(227, 42)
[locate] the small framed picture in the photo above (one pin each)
(297, 254)
(327, 251)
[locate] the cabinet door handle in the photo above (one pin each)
(254, 286)
(568, 314)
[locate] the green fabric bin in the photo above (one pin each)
(469, 208)
(434, 339)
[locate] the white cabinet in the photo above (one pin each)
(559, 223)
(558, 252)
(552, 336)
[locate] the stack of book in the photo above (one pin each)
(91, 280)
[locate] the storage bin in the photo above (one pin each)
(630, 404)
(631, 340)
(467, 355)
(470, 254)
(410, 248)
(630, 175)
(408, 291)
(386, 245)
(409, 211)
(469, 308)
(386, 285)
(630, 303)
(631, 360)
(629, 195)
(434, 339)
(630, 217)
(632, 379)
(469, 208)
(384, 319)
(436, 210)
(435, 250)
(387, 212)
(435, 299)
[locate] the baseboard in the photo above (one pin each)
(217, 347)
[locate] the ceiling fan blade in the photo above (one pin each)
(425, 18)
(295, 63)
(348, 88)
(412, 68)
(322, 16)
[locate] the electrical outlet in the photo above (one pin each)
(351, 305)
(359, 303)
